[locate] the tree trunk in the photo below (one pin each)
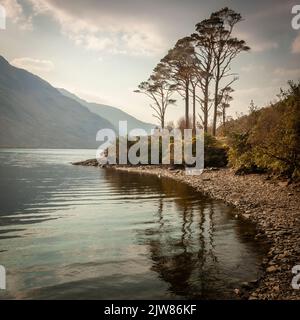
(205, 111)
(205, 125)
(194, 109)
(187, 124)
(162, 121)
(216, 102)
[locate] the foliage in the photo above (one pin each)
(215, 154)
(269, 139)
(160, 91)
(199, 66)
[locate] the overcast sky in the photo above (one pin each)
(101, 50)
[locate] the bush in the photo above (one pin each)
(215, 154)
(269, 139)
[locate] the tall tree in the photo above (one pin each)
(160, 91)
(196, 77)
(202, 60)
(180, 60)
(225, 99)
(216, 48)
(204, 41)
(225, 49)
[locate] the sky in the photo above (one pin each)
(101, 50)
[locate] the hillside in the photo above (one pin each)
(33, 114)
(112, 114)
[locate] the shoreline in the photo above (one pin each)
(272, 205)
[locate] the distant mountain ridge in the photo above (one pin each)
(33, 114)
(111, 114)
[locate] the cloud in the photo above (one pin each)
(15, 13)
(102, 27)
(265, 24)
(261, 46)
(143, 28)
(287, 73)
(147, 28)
(33, 65)
(256, 42)
(253, 68)
(296, 44)
(262, 96)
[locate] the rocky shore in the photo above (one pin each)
(273, 205)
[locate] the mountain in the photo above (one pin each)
(33, 114)
(112, 114)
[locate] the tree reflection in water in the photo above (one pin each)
(195, 244)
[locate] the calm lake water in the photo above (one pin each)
(86, 233)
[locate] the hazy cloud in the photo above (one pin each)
(256, 42)
(287, 73)
(253, 68)
(260, 96)
(147, 27)
(33, 65)
(100, 27)
(15, 13)
(264, 46)
(296, 45)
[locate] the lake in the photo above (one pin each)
(71, 232)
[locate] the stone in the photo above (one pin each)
(272, 268)
(237, 291)
(246, 216)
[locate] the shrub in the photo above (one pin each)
(269, 139)
(215, 154)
